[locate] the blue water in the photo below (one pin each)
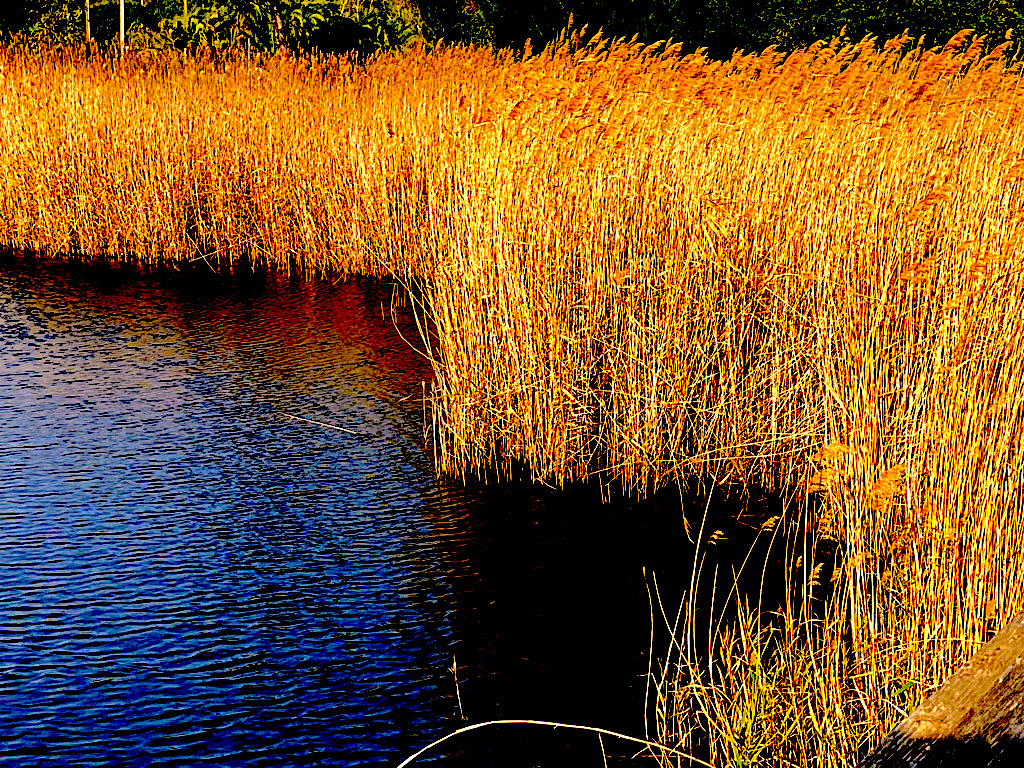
(191, 575)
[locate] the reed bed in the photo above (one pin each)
(799, 271)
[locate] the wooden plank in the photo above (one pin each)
(975, 719)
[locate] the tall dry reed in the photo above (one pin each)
(801, 271)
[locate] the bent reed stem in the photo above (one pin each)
(593, 729)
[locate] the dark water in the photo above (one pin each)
(191, 576)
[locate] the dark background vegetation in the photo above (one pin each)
(722, 26)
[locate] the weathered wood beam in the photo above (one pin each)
(975, 719)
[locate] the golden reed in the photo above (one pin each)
(801, 271)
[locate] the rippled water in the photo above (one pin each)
(191, 575)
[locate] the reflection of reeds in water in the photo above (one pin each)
(797, 270)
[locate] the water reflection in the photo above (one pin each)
(192, 576)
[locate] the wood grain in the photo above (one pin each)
(976, 718)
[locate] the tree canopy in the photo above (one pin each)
(722, 26)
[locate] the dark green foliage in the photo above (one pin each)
(265, 25)
(16, 17)
(722, 26)
(363, 26)
(465, 21)
(802, 23)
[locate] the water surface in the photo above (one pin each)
(190, 575)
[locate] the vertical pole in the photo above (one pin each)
(122, 26)
(278, 35)
(88, 32)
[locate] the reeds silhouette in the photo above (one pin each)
(801, 271)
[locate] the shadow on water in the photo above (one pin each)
(577, 597)
(192, 574)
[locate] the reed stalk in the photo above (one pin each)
(798, 271)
